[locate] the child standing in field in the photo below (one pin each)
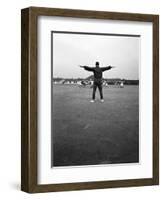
(97, 70)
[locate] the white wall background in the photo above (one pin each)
(10, 98)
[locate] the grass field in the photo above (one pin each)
(87, 133)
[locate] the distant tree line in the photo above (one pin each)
(110, 81)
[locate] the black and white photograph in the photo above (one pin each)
(89, 99)
(95, 98)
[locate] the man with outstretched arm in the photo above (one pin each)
(97, 70)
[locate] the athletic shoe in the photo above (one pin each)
(102, 100)
(92, 101)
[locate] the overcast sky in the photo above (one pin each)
(72, 50)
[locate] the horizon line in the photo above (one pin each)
(88, 77)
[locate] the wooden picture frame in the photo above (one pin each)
(29, 137)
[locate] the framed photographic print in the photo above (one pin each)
(90, 99)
